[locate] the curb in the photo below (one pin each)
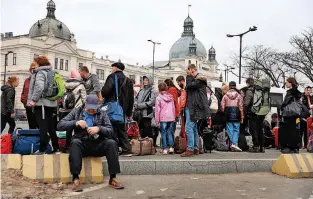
(192, 166)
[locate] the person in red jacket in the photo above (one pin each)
(174, 92)
(32, 123)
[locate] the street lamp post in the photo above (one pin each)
(228, 68)
(251, 29)
(5, 65)
(153, 42)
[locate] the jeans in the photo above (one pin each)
(191, 132)
(167, 134)
(232, 129)
(94, 148)
(7, 119)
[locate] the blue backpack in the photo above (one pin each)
(27, 141)
(114, 109)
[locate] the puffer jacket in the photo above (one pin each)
(101, 120)
(145, 99)
(232, 106)
(197, 100)
(164, 108)
(7, 99)
(25, 90)
(78, 89)
(174, 93)
(38, 84)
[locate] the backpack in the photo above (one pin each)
(55, 86)
(261, 104)
(213, 101)
(68, 100)
(221, 141)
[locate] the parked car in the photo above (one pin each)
(20, 115)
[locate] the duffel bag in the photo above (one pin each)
(28, 142)
(62, 139)
(142, 147)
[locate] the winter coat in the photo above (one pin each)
(125, 92)
(92, 84)
(232, 106)
(291, 95)
(101, 120)
(38, 84)
(25, 90)
(248, 99)
(174, 93)
(7, 99)
(197, 100)
(77, 87)
(305, 101)
(145, 99)
(165, 108)
(183, 99)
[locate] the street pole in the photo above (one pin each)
(153, 62)
(226, 76)
(5, 66)
(240, 55)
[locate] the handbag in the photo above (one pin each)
(114, 109)
(293, 109)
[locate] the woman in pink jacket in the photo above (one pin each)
(165, 115)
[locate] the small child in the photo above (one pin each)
(165, 115)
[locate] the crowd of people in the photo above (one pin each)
(156, 108)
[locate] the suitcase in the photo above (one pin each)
(142, 147)
(309, 126)
(275, 133)
(6, 144)
(132, 130)
(180, 144)
(27, 141)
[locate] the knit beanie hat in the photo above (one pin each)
(75, 74)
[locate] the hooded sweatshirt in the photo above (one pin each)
(164, 108)
(7, 99)
(145, 99)
(232, 106)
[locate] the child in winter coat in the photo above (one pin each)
(232, 106)
(165, 115)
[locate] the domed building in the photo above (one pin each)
(189, 50)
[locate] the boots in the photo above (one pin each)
(187, 154)
(196, 152)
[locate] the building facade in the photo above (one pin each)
(52, 38)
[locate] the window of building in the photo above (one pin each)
(61, 64)
(56, 60)
(80, 64)
(189, 62)
(141, 80)
(14, 58)
(100, 74)
(66, 65)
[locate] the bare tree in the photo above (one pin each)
(300, 59)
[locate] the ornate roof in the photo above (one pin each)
(50, 25)
(180, 48)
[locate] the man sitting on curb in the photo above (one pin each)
(93, 136)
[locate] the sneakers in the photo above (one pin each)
(164, 152)
(115, 184)
(171, 151)
(76, 185)
(235, 148)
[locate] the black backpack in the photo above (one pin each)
(68, 100)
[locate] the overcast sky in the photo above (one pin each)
(120, 28)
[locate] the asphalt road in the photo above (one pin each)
(233, 186)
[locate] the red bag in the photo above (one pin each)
(6, 144)
(275, 132)
(309, 125)
(62, 143)
(132, 130)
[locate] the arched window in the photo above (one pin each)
(196, 63)
(189, 62)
